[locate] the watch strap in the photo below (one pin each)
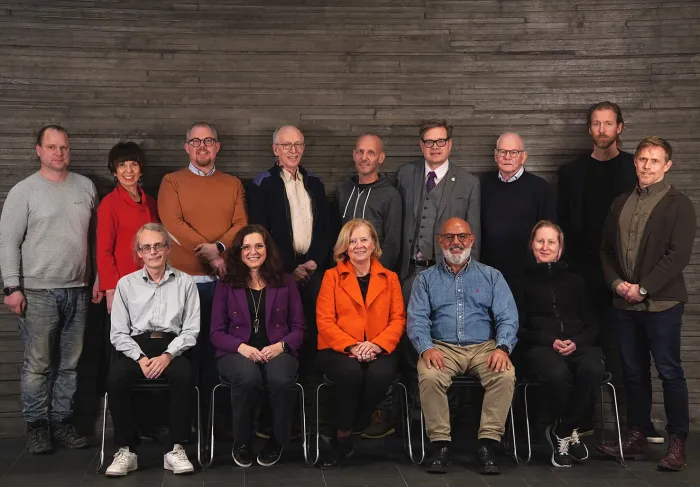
(504, 348)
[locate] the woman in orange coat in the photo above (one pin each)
(361, 317)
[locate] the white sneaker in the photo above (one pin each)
(124, 462)
(177, 461)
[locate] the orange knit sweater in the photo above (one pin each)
(200, 209)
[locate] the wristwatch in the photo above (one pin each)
(504, 348)
(11, 289)
(642, 291)
(220, 247)
(285, 347)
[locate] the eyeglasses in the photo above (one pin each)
(439, 142)
(258, 247)
(148, 248)
(287, 146)
(449, 237)
(208, 142)
(512, 152)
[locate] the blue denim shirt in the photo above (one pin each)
(461, 309)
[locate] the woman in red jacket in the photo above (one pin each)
(119, 216)
(361, 317)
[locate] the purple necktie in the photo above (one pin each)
(430, 183)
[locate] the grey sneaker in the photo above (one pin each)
(66, 435)
(39, 438)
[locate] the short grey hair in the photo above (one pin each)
(205, 125)
(279, 129)
(507, 133)
(151, 227)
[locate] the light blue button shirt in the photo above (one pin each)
(462, 309)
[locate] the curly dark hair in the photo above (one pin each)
(238, 273)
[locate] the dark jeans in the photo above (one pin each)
(125, 372)
(569, 382)
(359, 386)
(247, 380)
(639, 334)
(52, 330)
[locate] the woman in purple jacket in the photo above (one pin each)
(257, 326)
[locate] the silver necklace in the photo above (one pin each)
(256, 307)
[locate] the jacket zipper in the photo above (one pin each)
(554, 299)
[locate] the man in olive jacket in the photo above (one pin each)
(647, 242)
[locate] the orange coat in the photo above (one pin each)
(343, 318)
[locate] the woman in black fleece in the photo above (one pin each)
(557, 334)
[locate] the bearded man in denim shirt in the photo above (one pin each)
(462, 319)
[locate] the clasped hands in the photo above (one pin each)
(152, 368)
(630, 292)
(303, 271)
(260, 356)
(210, 253)
(365, 351)
(564, 347)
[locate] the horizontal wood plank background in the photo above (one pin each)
(144, 70)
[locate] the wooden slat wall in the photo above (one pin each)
(144, 70)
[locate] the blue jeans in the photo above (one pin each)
(639, 334)
(52, 331)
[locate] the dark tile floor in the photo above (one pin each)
(378, 463)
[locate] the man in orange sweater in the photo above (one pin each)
(202, 209)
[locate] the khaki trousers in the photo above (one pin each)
(470, 360)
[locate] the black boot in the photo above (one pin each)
(38, 437)
(439, 460)
(341, 450)
(485, 457)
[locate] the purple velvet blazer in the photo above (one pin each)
(231, 323)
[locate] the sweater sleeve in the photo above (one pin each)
(171, 216)
(13, 226)
(107, 223)
(240, 216)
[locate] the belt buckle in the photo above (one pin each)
(157, 334)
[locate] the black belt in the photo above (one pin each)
(422, 263)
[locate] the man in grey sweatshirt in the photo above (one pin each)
(45, 264)
(371, 196)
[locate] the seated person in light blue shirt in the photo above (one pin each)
(462, 319)
(155, 318)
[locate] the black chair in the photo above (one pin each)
(459, 381)
(396, 385)
(149, 385)
(224, 383)
(607, 381)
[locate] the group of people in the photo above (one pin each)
(434, 273)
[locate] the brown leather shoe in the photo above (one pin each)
(635, 447)
(675, 457)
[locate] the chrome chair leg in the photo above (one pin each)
(617, 424)
(208, 461)
(104, 432)
(199, 430)
(302, 409)
(403, 397)
(512, 427)
(314, 459)
(527, 423)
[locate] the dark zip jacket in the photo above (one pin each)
(268, 206)
(552, 304)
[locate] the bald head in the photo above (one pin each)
(510, 154)
(456, 242)
(288, 146)
(456, 225)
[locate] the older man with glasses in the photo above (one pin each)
(291, 203)
(513, 200)
(462, 319)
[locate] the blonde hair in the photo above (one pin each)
(340, 251)
(553, 226)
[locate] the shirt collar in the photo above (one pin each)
(199, 172)
(169, 271)
(440, 171)
(515, 177)
(447, 267)
(287, 176)
(653, 188)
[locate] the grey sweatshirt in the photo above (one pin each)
(44, 231)
(380, 203)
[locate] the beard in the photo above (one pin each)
(458, 259)
(604, 142)
(204, 159)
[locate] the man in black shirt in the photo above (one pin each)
(587, 188)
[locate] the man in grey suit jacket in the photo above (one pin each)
(433, 190)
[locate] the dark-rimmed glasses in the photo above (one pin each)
(449, 237)
(148, 248)
(430, 143)
(208, 142)
(513, 153)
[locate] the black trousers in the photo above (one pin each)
(124, 373)
(359, 386)
(309, 291)
(641, 334)
(248, 379)
(570, 382)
